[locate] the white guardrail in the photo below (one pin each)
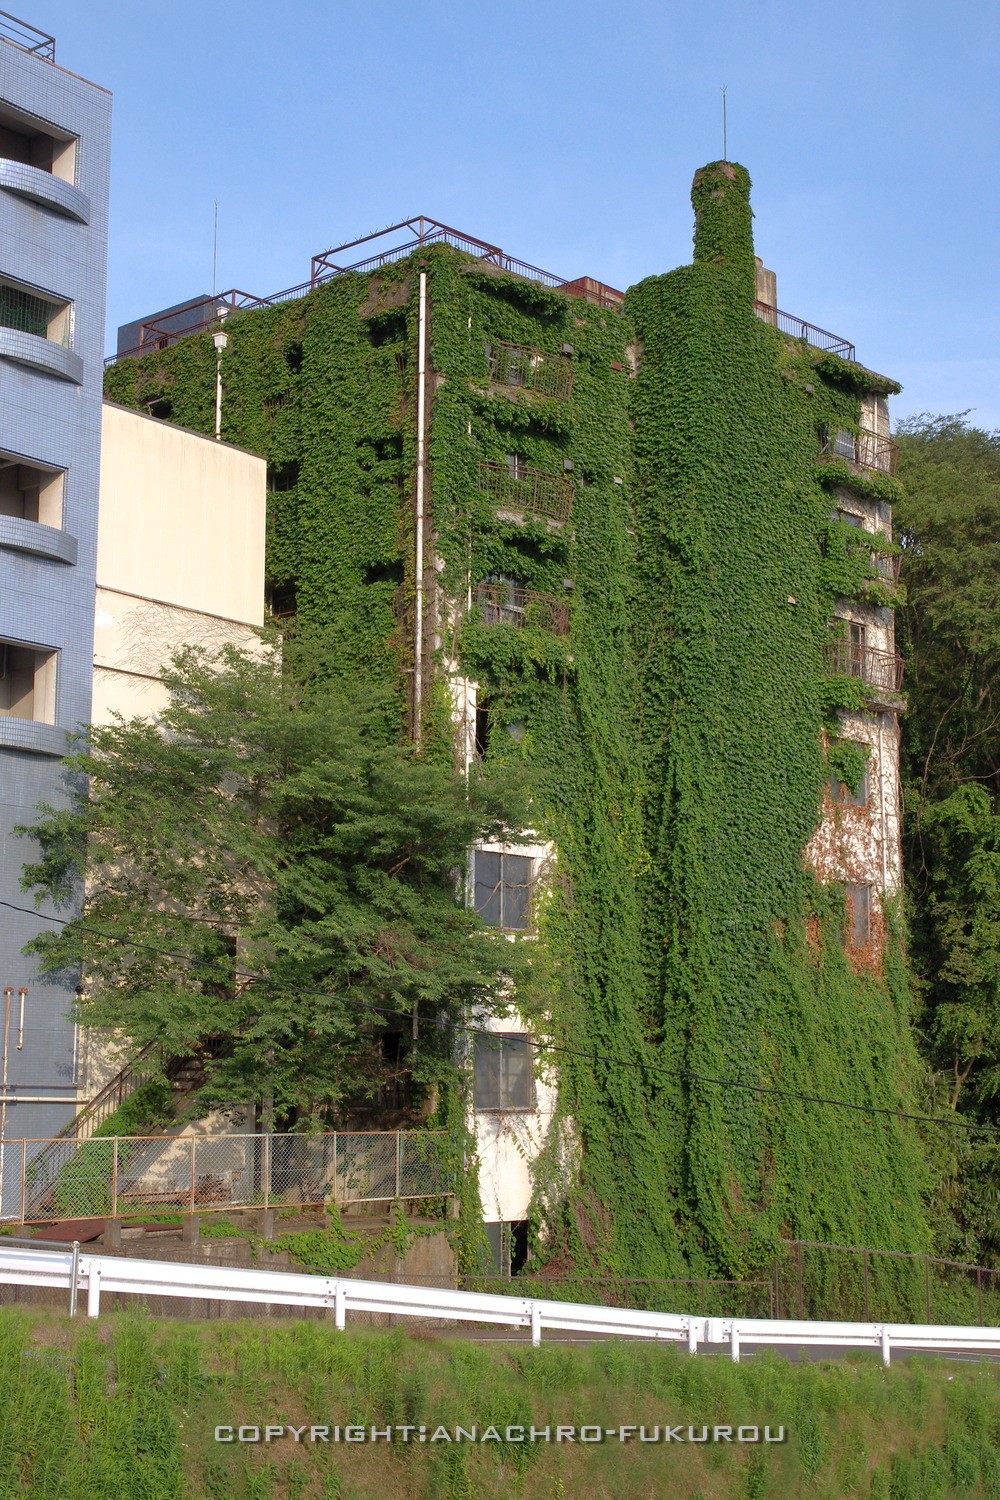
(76, 1271)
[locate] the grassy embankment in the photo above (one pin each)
(128, 1407)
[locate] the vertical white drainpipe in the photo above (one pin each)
(418, 644)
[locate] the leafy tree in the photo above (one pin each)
(949, 524)
(267, 869)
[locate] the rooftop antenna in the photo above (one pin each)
(725, 142)
(215, 251)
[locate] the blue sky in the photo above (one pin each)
(567, 131)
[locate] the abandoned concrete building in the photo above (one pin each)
(641, 543)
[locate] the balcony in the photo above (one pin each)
(528, 369)
(864, 449)
(526, 491)
(505, 603)
(881, 670)
(887, 566)
(820, 338)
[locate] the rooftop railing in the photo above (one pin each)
(27, 37)
(820, 338)
(422, 232)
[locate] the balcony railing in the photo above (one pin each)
(863, 448)
(887, 565)
(820, 338)
(529, 369)
(527, 491)
(510, 604)
(882, 670)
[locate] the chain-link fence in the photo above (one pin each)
(49, 1181)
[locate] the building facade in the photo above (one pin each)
(639, 544)
(54, 168)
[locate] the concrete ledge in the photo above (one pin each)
(44, 188)
(37, 739)
(41, 354)
(41, 541)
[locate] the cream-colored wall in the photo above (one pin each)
(180, 562)
(181, 518)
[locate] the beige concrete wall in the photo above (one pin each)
(181, 518)
(180, 562)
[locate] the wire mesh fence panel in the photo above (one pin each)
(424, 1168)
(303, 1169)
(67, 1178)
(367, 1167)
(78, 1182)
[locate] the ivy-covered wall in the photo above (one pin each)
(673, 738)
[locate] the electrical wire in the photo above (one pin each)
(678, 1075)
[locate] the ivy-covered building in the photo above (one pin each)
(640, 543)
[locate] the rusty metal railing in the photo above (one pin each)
(863, 448)
(510, 604)
(879, 669)
(527, 369)
(528, 491)
(820, 338)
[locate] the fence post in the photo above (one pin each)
(340, 1306)
(74, 1272)
(266, 1169)
(885, 1347)
(734, 1343)
(867, 1311)
(24, 1182)
(927, 1285)
(399, 1140)
(536, 1324)
(776, 1293)
(191, 1189)
(114, 1199)
(94, 1290)
(979, 1292)
(336, 1171)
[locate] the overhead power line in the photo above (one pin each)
(557, 1048)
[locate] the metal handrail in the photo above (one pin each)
(862, 447)
(879, 669)
(22, 34)
(820, 338)
(528, 489)
(510, 604)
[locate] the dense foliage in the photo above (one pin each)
(950, 522)
(673, 739)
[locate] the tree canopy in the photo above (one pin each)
(268, 869)
(949, 524)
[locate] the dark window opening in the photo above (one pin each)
(503, 1075)
(282, 477)
(859, 914)
(30, 493)
(24, 311)
(163, 408)
(293, 358)
(388, 328)
(845, 796)
(385, 572)
(502, 896)
(281, 600)
(388, 447)
(483, 711)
